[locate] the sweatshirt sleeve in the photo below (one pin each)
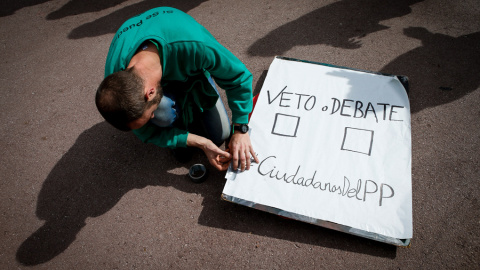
(232, 76)
(163, 137)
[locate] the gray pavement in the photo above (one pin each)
(77, 194)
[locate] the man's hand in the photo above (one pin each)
(241, 150)
(216, 156)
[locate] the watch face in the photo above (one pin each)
(244, 128)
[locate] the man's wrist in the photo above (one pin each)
(196, 141)
(241, 128)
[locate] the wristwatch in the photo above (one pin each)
(243, 128)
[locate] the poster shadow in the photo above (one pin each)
(105, 164)
(340, 24)
(243, 219)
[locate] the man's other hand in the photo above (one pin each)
(241, 150)
(217, 157)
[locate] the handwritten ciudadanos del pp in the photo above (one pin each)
(363, 190)
(344, 107)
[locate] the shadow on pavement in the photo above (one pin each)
(229, 216)
(111, 22)
(9, 7)
(442, 70)
(106, 25)
(75, 7)
(339, 25)
(105, 164)
(89, 180)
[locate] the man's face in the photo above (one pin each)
(147, 114)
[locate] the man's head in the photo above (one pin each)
(124, 101)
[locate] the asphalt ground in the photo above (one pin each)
(77, 194)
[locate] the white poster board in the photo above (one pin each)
(334, 145)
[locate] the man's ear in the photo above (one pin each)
(150, 94)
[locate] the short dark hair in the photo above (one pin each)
(120, 98)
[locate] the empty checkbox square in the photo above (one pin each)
(358, 140)
(285, 125)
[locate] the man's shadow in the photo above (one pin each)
(340, 24)
(89, 180)
(105, 164)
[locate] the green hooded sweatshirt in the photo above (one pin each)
(188, 53)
